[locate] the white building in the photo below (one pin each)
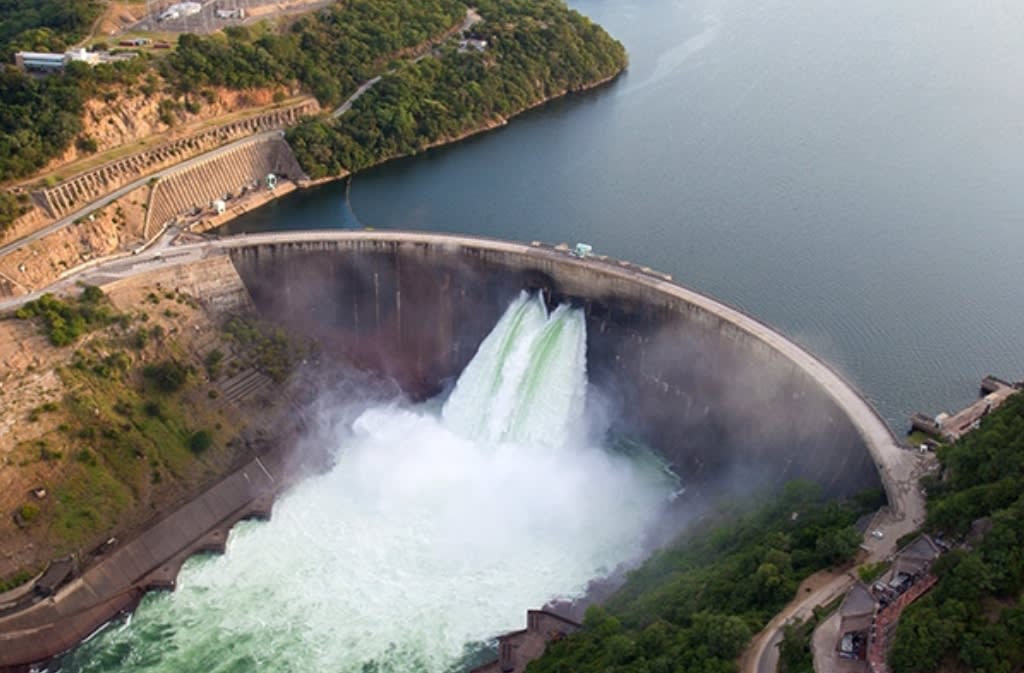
(47, 63)
(83, 56)
(36, 61)
(180, 10)
(230, 13)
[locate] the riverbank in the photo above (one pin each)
(255, 201)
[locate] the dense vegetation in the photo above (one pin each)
(327, 53)
(64, 321)
(12, 206)
(536, 49)
(974, 619)
(51, 25)
(41, 116)
(695, 605)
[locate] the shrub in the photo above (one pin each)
(168, 376)
(28, 512)
(200, 441)
(86, 144)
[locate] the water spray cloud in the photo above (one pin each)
(431, 530)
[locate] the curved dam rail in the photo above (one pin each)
(686, 373)
(732, 404)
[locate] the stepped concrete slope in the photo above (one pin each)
(203, 180)
(80, 190)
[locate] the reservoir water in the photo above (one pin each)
(848, 172)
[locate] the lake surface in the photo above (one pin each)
(851, 173)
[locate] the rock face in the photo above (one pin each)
(730, 408)
(129, 119)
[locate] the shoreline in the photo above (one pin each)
(203, 225)
(244, 207)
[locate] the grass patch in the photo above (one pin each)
(17, 579)
(869, 572)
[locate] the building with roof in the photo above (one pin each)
(518, 648)
(49, 63)
(40, 61)
(916, 558)
(856, 616)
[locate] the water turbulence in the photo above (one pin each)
(433, 532)
(527, 381)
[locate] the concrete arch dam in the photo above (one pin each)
(728, 401)
(732, 404)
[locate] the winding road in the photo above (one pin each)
(905, 514)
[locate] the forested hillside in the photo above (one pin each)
(327, 53)
(50, 25)
(695, 606)
(535, 49)
(974, 619)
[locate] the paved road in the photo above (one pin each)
(472, 18)
(113, 196)
(347, 105)
(903, 469)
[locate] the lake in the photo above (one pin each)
(850, 173)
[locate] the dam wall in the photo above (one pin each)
(729, 402)
(78, 191)
(242, 168)
(733, 405)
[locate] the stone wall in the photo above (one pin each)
(78, 191)
(519, 648)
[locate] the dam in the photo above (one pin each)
(718, 394)
(728, 404)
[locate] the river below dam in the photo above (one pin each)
(437, 527)
(846, 172)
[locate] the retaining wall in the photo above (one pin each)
(80, 190)
(195, 187)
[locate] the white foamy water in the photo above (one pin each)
(427, 535)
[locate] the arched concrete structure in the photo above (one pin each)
(729, 401)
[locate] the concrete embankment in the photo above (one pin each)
(76, 192)
(152, 560)
(240, 170)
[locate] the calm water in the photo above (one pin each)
(849, 172)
